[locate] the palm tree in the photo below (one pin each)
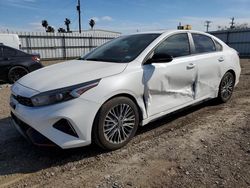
(45, 24)
(92, 23)
(67, 22)
(50, 29)
(61, 30)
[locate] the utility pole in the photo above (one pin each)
(78, 8)
(207, 24)
(232, 23)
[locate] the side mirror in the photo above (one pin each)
(160, 58)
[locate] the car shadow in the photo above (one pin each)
(3, 82)
(18, 156)
(175, 115)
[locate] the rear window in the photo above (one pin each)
(9, 52)
(203, 43)
(218, 45)
(1, 52)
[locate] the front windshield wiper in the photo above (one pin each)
(94, 59)
(102, 59)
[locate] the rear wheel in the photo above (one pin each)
(116, 123)
(226, 87)
(15, 73)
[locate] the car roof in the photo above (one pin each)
(169, 31)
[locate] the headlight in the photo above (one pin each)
(63, 94)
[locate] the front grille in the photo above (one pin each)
(23, 126)
(23, 100)
(34, 136)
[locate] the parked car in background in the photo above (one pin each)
(15, 63)
(11, 40)
(132, 80)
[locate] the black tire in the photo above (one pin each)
(107, 123)
(226, 87)
(15, 73)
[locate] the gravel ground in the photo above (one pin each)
(204, 146)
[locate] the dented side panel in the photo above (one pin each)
(168, 85)
(208, 75)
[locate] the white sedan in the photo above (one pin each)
(132, 80)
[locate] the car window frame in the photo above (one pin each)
(216, 41)
(194, 49)
(149, 54)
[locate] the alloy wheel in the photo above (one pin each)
(119, 123)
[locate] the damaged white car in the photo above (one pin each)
(132, 80)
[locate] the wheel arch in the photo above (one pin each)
(233, 72)
(127, 95)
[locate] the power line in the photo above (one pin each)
(207, 24)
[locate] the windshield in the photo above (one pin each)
(121, 50)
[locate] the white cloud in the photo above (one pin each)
(130, 27)
(103, 18)
(26, 4)
(36, 26)
(107, 18)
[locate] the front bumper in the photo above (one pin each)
(79, 112)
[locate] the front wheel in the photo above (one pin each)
(116, 123)
(226, 87)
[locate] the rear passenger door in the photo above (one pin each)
(7, 58)
(207, 60)
(9, 55)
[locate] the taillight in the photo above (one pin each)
(35, 58)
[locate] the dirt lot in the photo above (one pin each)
(204, 146)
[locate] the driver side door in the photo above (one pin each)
(169, 85)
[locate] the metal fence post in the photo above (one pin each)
(90, 43)
(64, 47)
(227, 40)
(28, 47)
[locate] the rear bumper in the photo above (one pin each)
(35, 66)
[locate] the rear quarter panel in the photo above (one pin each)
(232, 62)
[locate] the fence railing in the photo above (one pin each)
(63, 45)
(237, 39)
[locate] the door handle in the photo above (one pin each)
(190, 66)
(221, 59)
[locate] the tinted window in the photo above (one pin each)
(121, 50)
(1, 50)
(203, 43)
(218, 45)
(176, 46)
(9, 52)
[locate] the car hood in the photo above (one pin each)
(69, 73)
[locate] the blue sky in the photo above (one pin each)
(125, 16)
